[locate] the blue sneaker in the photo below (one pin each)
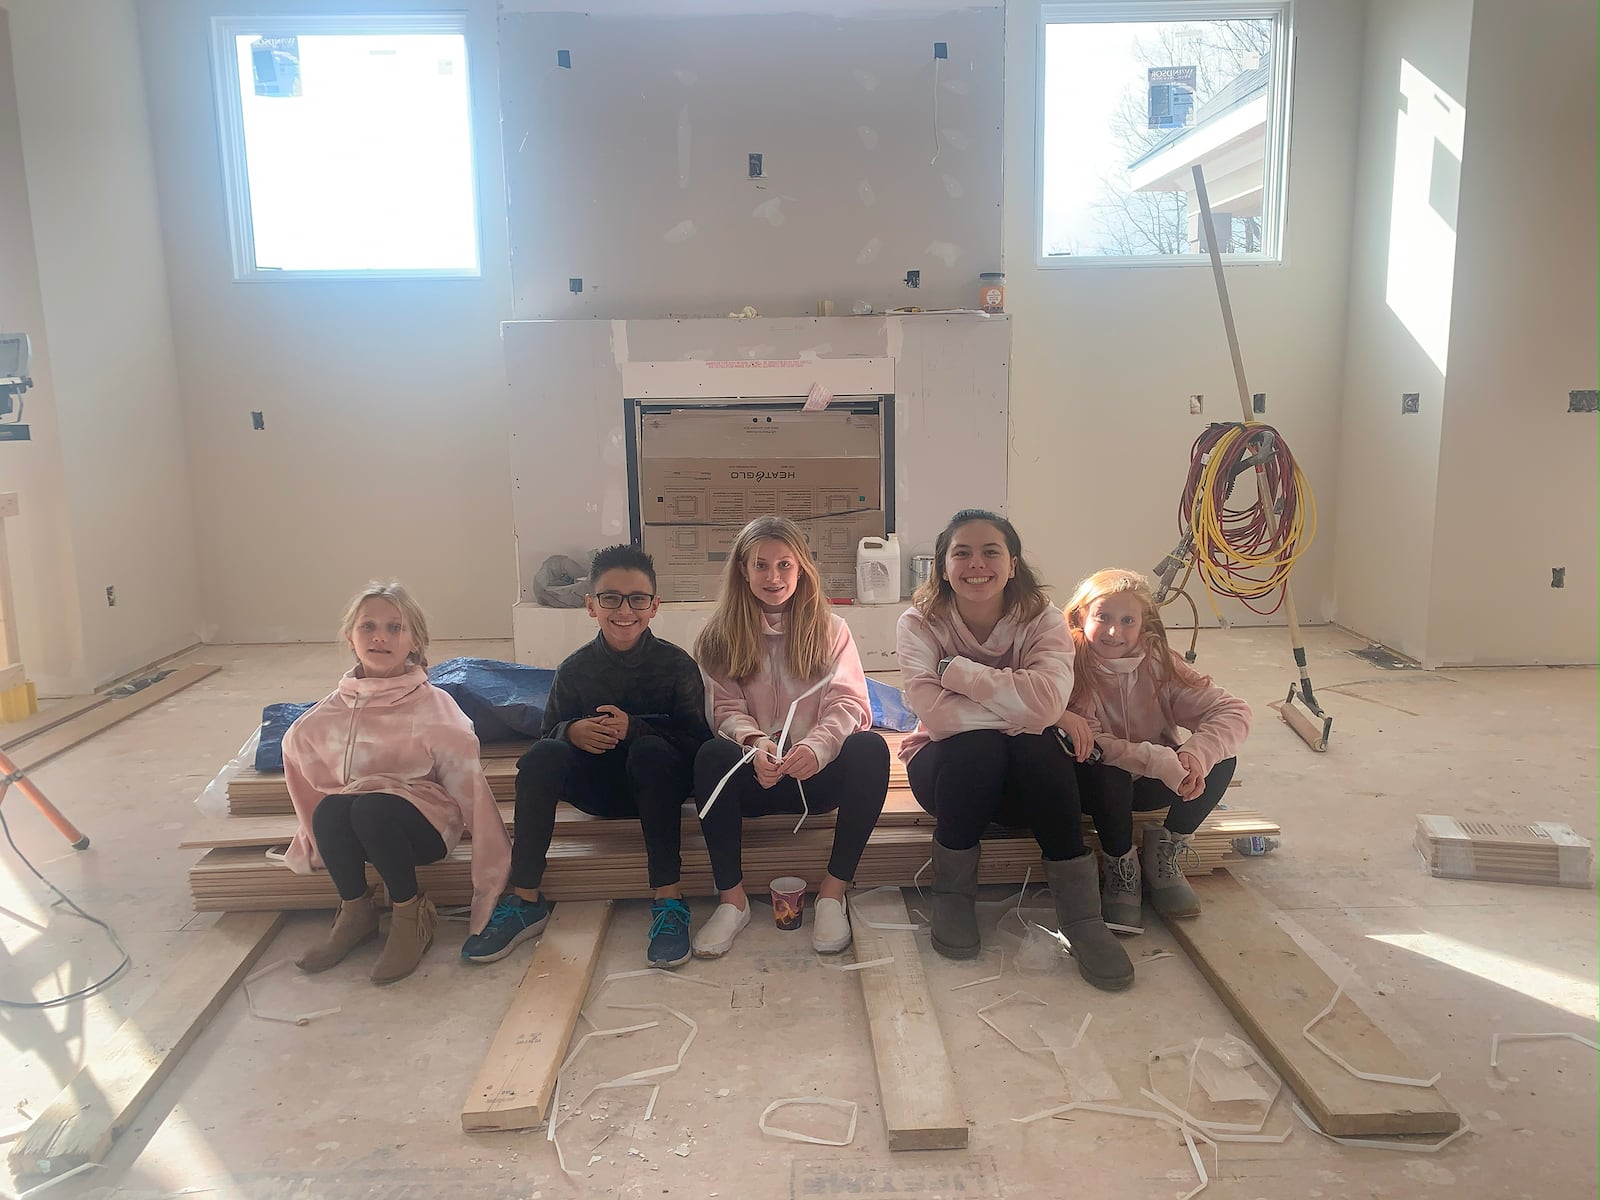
(514, 920)
(669, 933)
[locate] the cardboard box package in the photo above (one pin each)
(721, 466)
(690, 559)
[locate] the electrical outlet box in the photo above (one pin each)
(941, 50)
(1258, 402)
(755, 166)
(1410, 402)
(1558, 577)
(913, 279)
(111, 597)
(1583, 401)
(1197, 405)
(257, 421)
(575, 285)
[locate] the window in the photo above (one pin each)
(1133, 96)
(346, 145)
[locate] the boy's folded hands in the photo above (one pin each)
(601, 732)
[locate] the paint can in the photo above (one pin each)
(992, 291)
(921, 569)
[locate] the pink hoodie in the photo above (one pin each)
(1136, 719)
(1017, 680)
(403, 736)
(761, 703)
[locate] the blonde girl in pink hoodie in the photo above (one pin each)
(987, 667)
(772, 643)
(386, 770)
(1132, 696)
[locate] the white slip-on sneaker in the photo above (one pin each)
(830, 926)
(715, 937)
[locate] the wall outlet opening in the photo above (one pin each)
(111, 597)
(1197, 405)
(1410, 402)
(1558, 577)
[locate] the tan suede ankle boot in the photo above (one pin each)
(357, 920)
(411, 927)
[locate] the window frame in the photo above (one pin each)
(226, 82)
(1275, 159)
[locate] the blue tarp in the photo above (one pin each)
(505, 703)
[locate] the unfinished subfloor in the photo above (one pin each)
(365, 1103)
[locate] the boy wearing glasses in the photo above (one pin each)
(625, 717)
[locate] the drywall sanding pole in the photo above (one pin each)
(1310, 733)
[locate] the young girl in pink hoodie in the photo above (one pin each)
(987, 667)
(774, 642)
(1131, 697)
(386, 770)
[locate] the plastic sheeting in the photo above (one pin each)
(505, 702)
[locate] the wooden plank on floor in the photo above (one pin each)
(921, 1107)
(106, 1095)
(18, 732)
(68, 734)
(1274, 988)
(513, 1087)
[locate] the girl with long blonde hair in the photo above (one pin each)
(777, 658)
(1131, 696)
(987, 667)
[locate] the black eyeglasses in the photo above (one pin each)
(636, 600)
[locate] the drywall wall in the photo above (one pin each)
(384, 452)
(86, 149)
(628, 167)
(569, 380)
(1105, 358)
(39, 538)
(1517, 472)
(1402, 260)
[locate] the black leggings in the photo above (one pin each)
(986, 776)
(856, 783)
(388, 831)
(644, 778)
(1111, 796)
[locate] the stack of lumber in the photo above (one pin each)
(592, 859)
(1542, 852)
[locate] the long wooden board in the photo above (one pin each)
(17, 732)
(1274, 988)
(921, 1107)
(106, 1095)
(68, 734)
(513, 1087)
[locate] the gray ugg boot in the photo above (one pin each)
(1120, 901)
(1170, 893)
(1101, 959)
(357, 920)
(955, 894)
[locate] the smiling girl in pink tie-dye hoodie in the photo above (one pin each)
(386, 770)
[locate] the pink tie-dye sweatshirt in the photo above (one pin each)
(403, 736)
(759, 705)
(1018, 679)
(1136, 718)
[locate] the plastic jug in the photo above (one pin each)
(878, 570)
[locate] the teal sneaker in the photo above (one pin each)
(669, 933)
(514, 920)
